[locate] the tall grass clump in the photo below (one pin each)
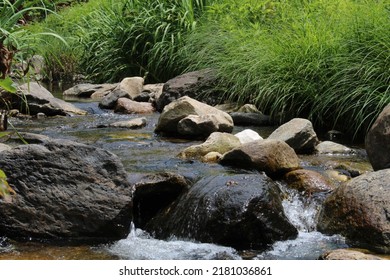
(323, 60)
(136, 37)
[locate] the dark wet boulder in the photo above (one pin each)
(243, 211)
(274, 157)
(32, 99)
(199, 85)
(250, 119)
(299, 134)
(359, 210)
(175, 119)
(65, 191)
(378, 139)
(154, 192)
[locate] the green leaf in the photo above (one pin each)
(7, 84)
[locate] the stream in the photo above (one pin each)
(142, 151)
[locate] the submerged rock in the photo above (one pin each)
(65, 191)
(378, 139)
(274, 157)
(298, 133)
(359, 210)
(241, 211)
(217, 142)
(130, 124)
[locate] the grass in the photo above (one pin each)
(323, 60)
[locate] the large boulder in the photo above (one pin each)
(242, 211)
(359, 210)
(378, 141)
(298, 133)
(219, 142)
(65, 191)
(180, 109)
(199, 85)
(347, 254)
(308, 182)
(128, 106)
(248, 135)
(154, 192)
(32, 98)
(250, 119)
(274, 157)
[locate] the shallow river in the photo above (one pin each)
(142, 151)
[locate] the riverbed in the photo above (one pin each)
(142, 151)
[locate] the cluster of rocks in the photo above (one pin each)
(97, 202)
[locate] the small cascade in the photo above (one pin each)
(139, 245)
(310, 244)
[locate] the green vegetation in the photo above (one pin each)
(324, 60)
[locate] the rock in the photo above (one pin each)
(329, 147)
(65, 191)
(307, 181)
(128, 106)
(217, 142)
(347, 254)
(110, 100)
(248, 135)
(378, 139)
(249, 108)
(94, 91)
(298, 133)
(274, 157)
(199, 85)
(212, 157)
(132, 86)
(40, 100)
(242, 211)
(200, 126)
(228, 107)
(186, 106)
(30, 138)
(252, 119)
(130, 124)
(359, 210)
(154, 192)
(153, 90)
(4, 147)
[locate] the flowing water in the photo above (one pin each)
(142, 151)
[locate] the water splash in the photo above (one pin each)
(139, 245)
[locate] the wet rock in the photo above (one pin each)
(274, 157)
(359, 210)
(347, 254)
(154, 192)
(109, 101)
(130, 124)
(212, 157)
(248, 135)
(199, 85)
(217, 142)
(250, 119)
(329, 147)
(242, 211)
(298, 133)
(95, 91)
(378, 139)
(40, 100)
(65, 191)
(154, 91)
(185, 106)
(128, 106)
(307, 181)
(30, 138)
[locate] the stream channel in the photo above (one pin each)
(142, 151)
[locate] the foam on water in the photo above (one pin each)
(141, 246)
